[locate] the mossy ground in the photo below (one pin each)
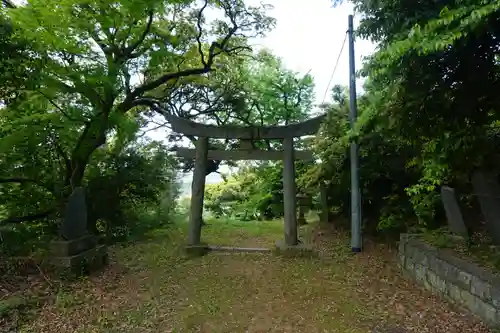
(152, 286)
(478, 248)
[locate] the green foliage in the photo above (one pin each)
(86, 75)
(73, 108)
(254, 91)
(19, 71)
(128, 193)
(425, 120)
(383, 168)
(253, 193)
(455, 21)
(257, 91)
(93, 53)
(132, 191)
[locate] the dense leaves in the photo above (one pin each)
(131, 187)
(96, 75)
(253, 193)
(429, 114)
(81, 78)
(105, 59)
(251, 91)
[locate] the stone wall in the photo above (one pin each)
(459, 281)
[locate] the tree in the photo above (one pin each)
(430, 97)
(101, 62)
(140, 179)
(255, 90)
(19, 69)
(255, 192)
(102, 59)
(422, 77)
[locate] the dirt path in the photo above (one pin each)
(152, 287)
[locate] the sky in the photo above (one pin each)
(309, 36)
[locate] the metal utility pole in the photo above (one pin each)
(356, 241)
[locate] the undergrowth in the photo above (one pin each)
(478, 247)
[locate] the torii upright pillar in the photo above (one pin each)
(289, 195)
(198, 191)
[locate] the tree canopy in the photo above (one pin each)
(90, 70)
(102, 61)
(429, 107)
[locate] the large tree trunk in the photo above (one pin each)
(93, 136)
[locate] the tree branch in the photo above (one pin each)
(79, 88)
(200, 33)
(57, 106)
(64, 156)
(152, 129)
(19, 180)
(128, 50)
(23, 180)
(128, 102)
(8, 4)
(28, 218)
(216, 48)
(126, 76)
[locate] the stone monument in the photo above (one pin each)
(488, 192)
(453, 214)
(324, 215)
(303, 203)
(77, 251)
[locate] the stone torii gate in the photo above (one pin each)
(201, 154)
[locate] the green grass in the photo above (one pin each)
(240, 233)
(153, 286)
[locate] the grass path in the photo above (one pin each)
(152, 287)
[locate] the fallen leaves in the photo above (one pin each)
(154, 287)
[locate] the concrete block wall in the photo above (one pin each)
(462, 282)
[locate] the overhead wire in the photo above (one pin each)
(335, 68)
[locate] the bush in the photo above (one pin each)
(254, 193)
(132, 192)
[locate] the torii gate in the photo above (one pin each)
(246, 133)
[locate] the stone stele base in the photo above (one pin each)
(203, 249)
(299, 250)
(79, 256)
(197, 250)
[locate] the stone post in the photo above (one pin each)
(487, 189)
(289, 189)
(323, 203)
(303, 205)
(198, 191)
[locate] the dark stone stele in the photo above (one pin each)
(487, 190)
(74, 224)
(78, 252)
(453, 214)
